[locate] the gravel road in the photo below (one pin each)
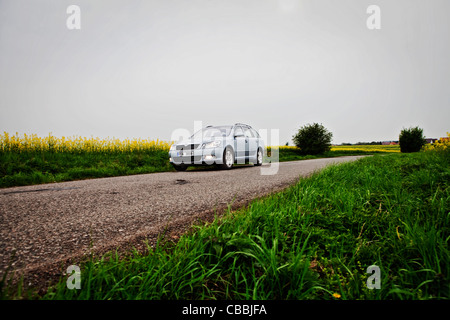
(51, 224)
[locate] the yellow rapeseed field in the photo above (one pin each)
(440, 145)
(34, 143)
(368, 148)
(75, 144)
(365, 148)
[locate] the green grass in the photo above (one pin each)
(292, 153)
(295, 154)
(311, 241)
(27, 168)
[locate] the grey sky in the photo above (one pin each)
(145, 68)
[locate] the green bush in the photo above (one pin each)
(313, 139)
(411, 140)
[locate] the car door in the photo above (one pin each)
(259, 142)
(251, 143)
(239, 144)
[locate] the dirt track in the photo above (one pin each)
(48, 226)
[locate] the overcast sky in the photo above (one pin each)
(145, 68)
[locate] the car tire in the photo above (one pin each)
(228, 159)
(181, 167)
(259, 157)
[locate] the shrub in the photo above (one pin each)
(313, 139)
(411, 140)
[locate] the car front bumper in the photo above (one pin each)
(196, 156)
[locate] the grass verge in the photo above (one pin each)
(29, 168)
(315, 240)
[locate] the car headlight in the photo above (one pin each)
(172, 147)
(212, 144)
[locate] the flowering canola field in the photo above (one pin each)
(354, 148)
(441, 145)
(368, 148)
(75, 144)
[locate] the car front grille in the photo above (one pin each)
(187, 159)
(187, 146)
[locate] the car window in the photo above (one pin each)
(211, 132)
(224, 130)
(255, 133)
(238, 131)
(247, 132)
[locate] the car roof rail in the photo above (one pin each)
(242, 124)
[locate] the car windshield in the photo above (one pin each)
(212, 132)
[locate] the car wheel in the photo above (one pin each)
(259, 157)
(228, 159)
(181, 167)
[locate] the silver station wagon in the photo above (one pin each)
(219, 145)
